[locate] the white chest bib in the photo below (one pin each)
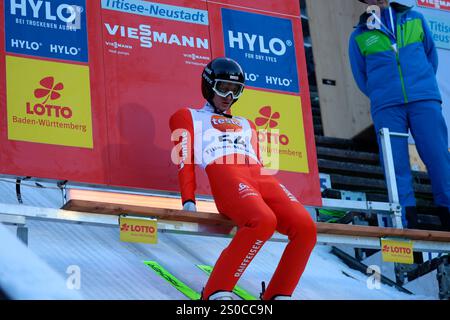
(216, 136)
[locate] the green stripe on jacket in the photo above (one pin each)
(375, 41)
(410, 32)
(372, 42)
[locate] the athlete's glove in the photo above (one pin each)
(189, 206)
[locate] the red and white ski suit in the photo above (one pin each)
(226, 147)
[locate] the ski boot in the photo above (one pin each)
(219, 295)
(276, 297)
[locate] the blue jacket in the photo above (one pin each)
(389, 77)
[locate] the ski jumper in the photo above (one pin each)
(226, 147)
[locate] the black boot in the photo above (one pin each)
(418, 257)
(413, 223)
(277, 297)
(411, 217)
(263, 290)
(444, 216)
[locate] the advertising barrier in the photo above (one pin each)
(88, 87)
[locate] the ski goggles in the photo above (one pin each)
(223, 88)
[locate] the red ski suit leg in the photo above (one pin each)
(294, 221)
(259, 206)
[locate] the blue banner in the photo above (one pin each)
(264, 47)
(437, 15)
(440, 27)
(50, 29)
(158, 10)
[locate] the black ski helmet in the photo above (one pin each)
(220, 69)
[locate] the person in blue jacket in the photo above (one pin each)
(394, 62)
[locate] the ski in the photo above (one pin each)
(172, 280)
(242, 293)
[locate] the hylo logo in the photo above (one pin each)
(254, 42)
(264, 45)
(35, 46)
(48, 91)
(268, 120)
(66, 13)
(24, 44)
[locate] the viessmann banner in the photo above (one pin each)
(89, 86)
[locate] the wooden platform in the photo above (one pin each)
(166, 209)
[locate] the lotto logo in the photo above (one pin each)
(49, 90)
(396, 249)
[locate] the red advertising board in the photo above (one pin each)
(152, 69)
(283, 7)
(88, 86)
(32, 144)
(443, 5)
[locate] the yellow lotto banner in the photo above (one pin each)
(48, 102)
(138, 230)
(281, 134)
(399, 251)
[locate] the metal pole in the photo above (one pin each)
(18, 221)
(22, 234)
(389, 169)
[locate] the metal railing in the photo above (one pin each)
(388, 213)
